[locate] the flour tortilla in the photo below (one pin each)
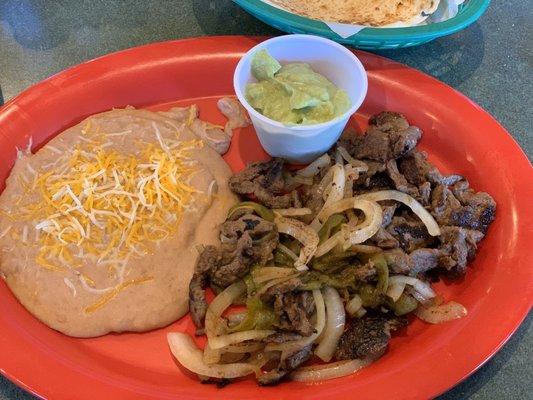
(58, 298)
(361, 12)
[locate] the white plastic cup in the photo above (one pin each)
(304, 143)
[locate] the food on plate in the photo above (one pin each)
(363, 12)
(330, 259)
(293, 93)
(92, 223)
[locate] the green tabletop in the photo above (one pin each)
(490, 62)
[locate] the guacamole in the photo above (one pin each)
(293, 93)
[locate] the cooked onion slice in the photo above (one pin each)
(317, 373)
(354, 305)
(349, 236)
(334, 192)
(214, 324)
(422, 289)
(292, 212)
(358, 165)
(183, 348)
(335, 320)
(395, 290)
(219, 342)
(439, 314)
(316, 166)
(304, 234)
(292, 347)
(415, 206)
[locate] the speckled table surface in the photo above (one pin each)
(490, 62)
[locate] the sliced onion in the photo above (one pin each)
(219, 342)
(265, 274)
(316, 166)
(236, 318)
(358, 165)
(328, 245)
(214, 324)
(369, 227)
(211, 356)
(288, 251)
(354, 305)
(334, 194)
(335, 320)
(243, 348)
(317, 373)
(293, 346)
(304, 234)
(183, 348)
(350, 236)
(395, 290)
(422, 289)
(415, 206)
(439, 314)
(292, 212)
(274, 282)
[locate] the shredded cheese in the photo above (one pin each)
(102, 205)
(114, 292)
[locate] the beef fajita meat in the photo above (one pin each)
(411, 233)
(398, 261)
(417, 170)
(264, 236)
(384, 239)
(367, 337)
(388, 136)
(399, 181)
(265, 181)
(461, 206)
(458, 246)
(207, 261)
(295, 310)
(251, 241)
(424, 260)
(285, 366)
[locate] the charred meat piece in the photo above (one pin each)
(280, 289)
(251, 241)
(264, 236)
(398, 261)
(286, 366)
(458, 246)
(295, 310)
(384, 239)
(411, 233)
(389, 136)
(367, 337)
(235, 262)
(417, 170)
(207, 261)
(424, 260)
(282, 337)
(265, 181)
(399, 181)
(388, 208)
(461, 206)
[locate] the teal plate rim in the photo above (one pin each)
(472, 10)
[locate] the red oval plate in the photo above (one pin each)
(425, 361)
